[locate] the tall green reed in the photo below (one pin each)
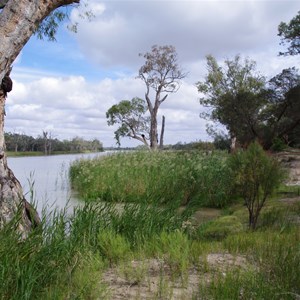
(166, 178)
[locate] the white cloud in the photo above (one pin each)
(125, 28)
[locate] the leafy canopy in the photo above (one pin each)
(232, 94)
(129, 115)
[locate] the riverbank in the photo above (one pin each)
(166, 245)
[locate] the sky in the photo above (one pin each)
(66, 87)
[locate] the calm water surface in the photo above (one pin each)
(47, 177)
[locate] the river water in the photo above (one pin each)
(45, 179)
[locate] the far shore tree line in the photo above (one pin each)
(45, 143)
(234, 94)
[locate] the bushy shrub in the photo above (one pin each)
(256, 175)
(278, 145)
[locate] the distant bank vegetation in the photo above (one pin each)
(46, 144)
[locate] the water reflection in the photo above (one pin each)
(45, 179)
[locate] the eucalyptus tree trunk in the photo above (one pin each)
(19, 19)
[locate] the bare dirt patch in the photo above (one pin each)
(154, 279)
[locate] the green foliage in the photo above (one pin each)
(23, 143)
(169, 178)
(129, 115)
(240, 285)
(278, 145)
(48, 28)
(174, 248)
(46, 264)
(290, 34)
(66, 258)
(233, 93)
(113, 246)
(222, 142)
(161, 71)
(256, 175)
(276, 217)
(198, 145)
(281, 114)
(140, 222)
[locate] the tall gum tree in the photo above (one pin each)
(19, 20)
(161, 74)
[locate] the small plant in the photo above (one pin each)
(256, 175)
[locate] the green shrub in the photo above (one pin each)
(278, 145)
(256, 175)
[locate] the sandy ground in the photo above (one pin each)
(153, 278)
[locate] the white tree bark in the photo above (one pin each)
(18, 21)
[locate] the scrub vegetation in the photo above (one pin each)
(131, 242)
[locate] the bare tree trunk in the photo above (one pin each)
(161, 140)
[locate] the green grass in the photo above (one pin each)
(67, 258)
(172, 178)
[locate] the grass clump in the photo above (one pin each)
(47, 264)
(276, 254)
(220, 228)
(113, 246)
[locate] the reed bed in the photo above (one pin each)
(168, 178)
